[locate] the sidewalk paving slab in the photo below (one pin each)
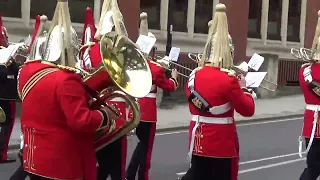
(178, 117)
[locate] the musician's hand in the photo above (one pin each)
(242, 81)
(112, 115)
(174, 73)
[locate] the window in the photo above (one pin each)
(203, 15)
(77, 9)
(179, 10)
(10, 8)
(294, 20)
(274, 20)
(254, 24)
(152, 8)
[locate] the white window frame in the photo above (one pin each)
(284, 21)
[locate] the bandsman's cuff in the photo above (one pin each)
(176, 84)
(105, 120)
(249, 92)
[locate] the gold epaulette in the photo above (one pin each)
(2, 47)
(229, 71)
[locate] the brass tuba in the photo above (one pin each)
(123, 72)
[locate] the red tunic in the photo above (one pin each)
(58, 126)
(148, 104)
(310, 99)
(216, 134)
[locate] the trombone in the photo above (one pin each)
(243, 69)
(166, 63)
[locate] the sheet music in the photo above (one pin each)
(256, 62)
(146, 43)
(5, 55)
(174, 54)
(254, 79)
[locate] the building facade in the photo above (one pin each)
(255, 25)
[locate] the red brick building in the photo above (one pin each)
(256, 26)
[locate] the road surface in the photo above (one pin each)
(268, 151)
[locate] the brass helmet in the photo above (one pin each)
(62, 44)
(110, 17)
(39, 38)
(219, 49)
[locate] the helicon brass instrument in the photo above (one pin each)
(243, 68)
(124, 73)
(2, 116)
(166, 63)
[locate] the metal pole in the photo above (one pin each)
(166, 94)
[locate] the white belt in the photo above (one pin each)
(151, 95)
(315, 109)
(117, 99)
(202, 119)
(220, 109)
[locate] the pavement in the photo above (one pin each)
(268, 151)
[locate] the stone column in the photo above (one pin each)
(270, 65)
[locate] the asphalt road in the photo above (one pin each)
(268, 152)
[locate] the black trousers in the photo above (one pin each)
(188, 175)
(112, 160)
(141, 157)
(207, 168)
(312, 172)
(6, 128)
(35, 177)
(19, 174)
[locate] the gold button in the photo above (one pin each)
(201, 136)
(201, 147)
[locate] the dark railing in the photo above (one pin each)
(288, 72)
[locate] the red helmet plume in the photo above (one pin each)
(89, 29)
(4, 35)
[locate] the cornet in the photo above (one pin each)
(243, 69)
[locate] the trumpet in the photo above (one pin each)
(243, 69)
(165, 62)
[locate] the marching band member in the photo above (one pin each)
(309, 77)
(20, 174)
(112, 156)
(213, 135)
(141, 158)
(8, 95)
(58, 125)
